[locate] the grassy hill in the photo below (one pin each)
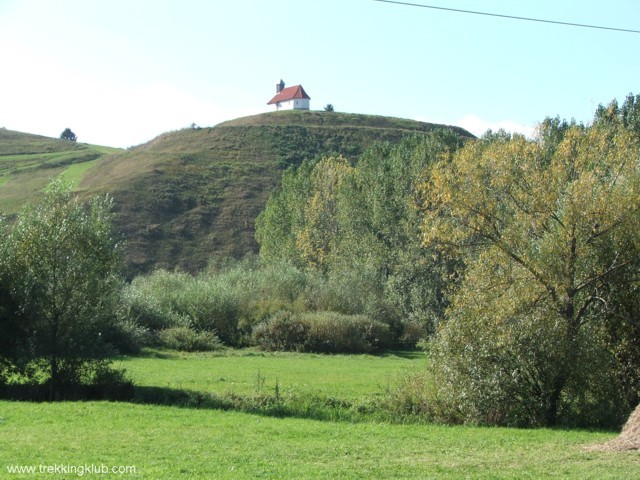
(28, 162)
(192, 194)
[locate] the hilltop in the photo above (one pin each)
(190, 195)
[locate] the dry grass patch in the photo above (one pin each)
(629, 438)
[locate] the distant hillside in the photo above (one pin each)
(189, 195)
(28, 162)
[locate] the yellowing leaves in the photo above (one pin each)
(547, 212)
(317, 239)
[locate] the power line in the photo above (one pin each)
(511, 17)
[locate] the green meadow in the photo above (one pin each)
(245, 372)
(166, 442)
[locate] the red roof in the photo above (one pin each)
(289, 93)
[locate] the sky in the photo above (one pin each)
(121, 72)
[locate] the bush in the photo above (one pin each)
(164, 300)
(127, 337)
(498, 370)
(189, 340)
(346, 291)
(233, 298)
(151, 301)
(331, 332)
(412, 333)
(258, 291)
(211, 305)
(282, 331)
(108, 383)
(322, 332)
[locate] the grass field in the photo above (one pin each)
(164, 442)
(246, 371)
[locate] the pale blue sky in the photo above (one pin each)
(120, 72)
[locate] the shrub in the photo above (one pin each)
(353, 290)
(280, 281)
(497, 369)
(412, 333)
(322, 332)
(150, 301)
(211, 305)
(164, 300)
(127, 336)
(282, 331)
(189, 340)
(107, 383)
(346, 291)
(331, 332)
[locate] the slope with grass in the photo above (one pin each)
(189, 195)
(195, 193)
(28, 162)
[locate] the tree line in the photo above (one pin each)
(518, 258)
(513, 261)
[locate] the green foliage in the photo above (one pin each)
(279, 225)
(188, 340)
(126, 336)
(627, 116)
(318, 239)
(166, 300)
(359, 227)
(61, 265)
(150, 301)
(621, 334)
(545, 229)
(210, 306)
(67, 134)
(283, 331)
(322, 332)
(226, 300)
(230, 300)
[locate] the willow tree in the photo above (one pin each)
(61, 264)
(548, 232)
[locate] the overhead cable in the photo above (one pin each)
(510, 17)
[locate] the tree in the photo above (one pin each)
(547, 231)
(328, 107)
(359, 226)
(12, 331)
(381, 224)
(62, 263)
(283, 218)
(318, 240)
(67, 134)
(628, 115)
